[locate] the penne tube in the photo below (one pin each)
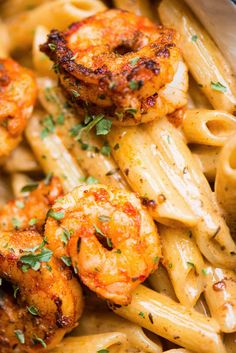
(207, 157)
(160, 282)
(171, 320)
(184, 263)
(211, 232)
(139, 7)
(5, 191)
(61, 13)
(225, 182)
(230, 342)
(18, 181)
(220, 294)
(92, 343)
(178, 350)
(137, 158)
(4, 42)
(208, 127)
(52, 155)
(101, 321)
(21, 160)
(201, 306)
(89, 153)
(206, 63)
(42, 63)
(11, 7)
(199, 99)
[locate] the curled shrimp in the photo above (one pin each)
(115, 63)
(30, 211)
(41, 300)
(108, 235)
(17, 98)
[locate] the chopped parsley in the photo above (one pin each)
(75, 93)
(141, 313)
(104, 218)
(205, 271)
(20, 336)
(20, 204)
(33, 310)
(103, 351)
(52, 46)
(49, 126)
(131, 111)
(134, 60)
(194, 38)
(37, 340)
(155, 260)
(217, 86)
(66, 260)
(60, 119)
(16, 223)
(134, 85)
(33, 261)
(56, 215)
(33, 221)
(65, 237)
(15, 290)
(106, 150)
(29, 187)
(103, 127)
(48, 178)
(91, 180)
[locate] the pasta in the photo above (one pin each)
(62, 13)
(208, 127)
(155, 312)
(225, 182)
(191, 183)
(184, 264)
(207, 65)
(181, 165)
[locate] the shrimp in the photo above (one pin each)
(17, 98)
(30, 211)
(41, 300)
(108, 236)
(115, 63)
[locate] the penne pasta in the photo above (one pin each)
(62, 13)
(207, 157)
(160, 282)
(92, 343)
(225, 182)
(137, 158)
(177, 350)
(207, 65)
(220, 294)
(4, 43)
(139, 7)
(208, 127)
(52, 154)
(172, 321)
(21, 160)
(184, 264)
(18, 181)
(13, 7)
(211, 232)
(41, 62)
(102, 322)
(199, 99)
(89, 153)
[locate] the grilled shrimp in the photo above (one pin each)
(41, 300)
(108, 236)
(116, 63)
(30, 211)
(17, 98)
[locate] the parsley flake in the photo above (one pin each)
(103, 351)
(52, 46)
(141, 313)
(65, 237)
(217, 86)
(106, 150)
(20, 204)
(66, 260)
(20, 336)
(29, 187)
(103, 127)
(33, 310)
(104, 218)
(134, 60)
(37, 340)
(16, 223)
(56, 215)
(33, 221)
(194, 38)
(134, 85)
(33, 260)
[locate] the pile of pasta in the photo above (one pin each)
(190, 301)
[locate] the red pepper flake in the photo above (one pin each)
(219, 286)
